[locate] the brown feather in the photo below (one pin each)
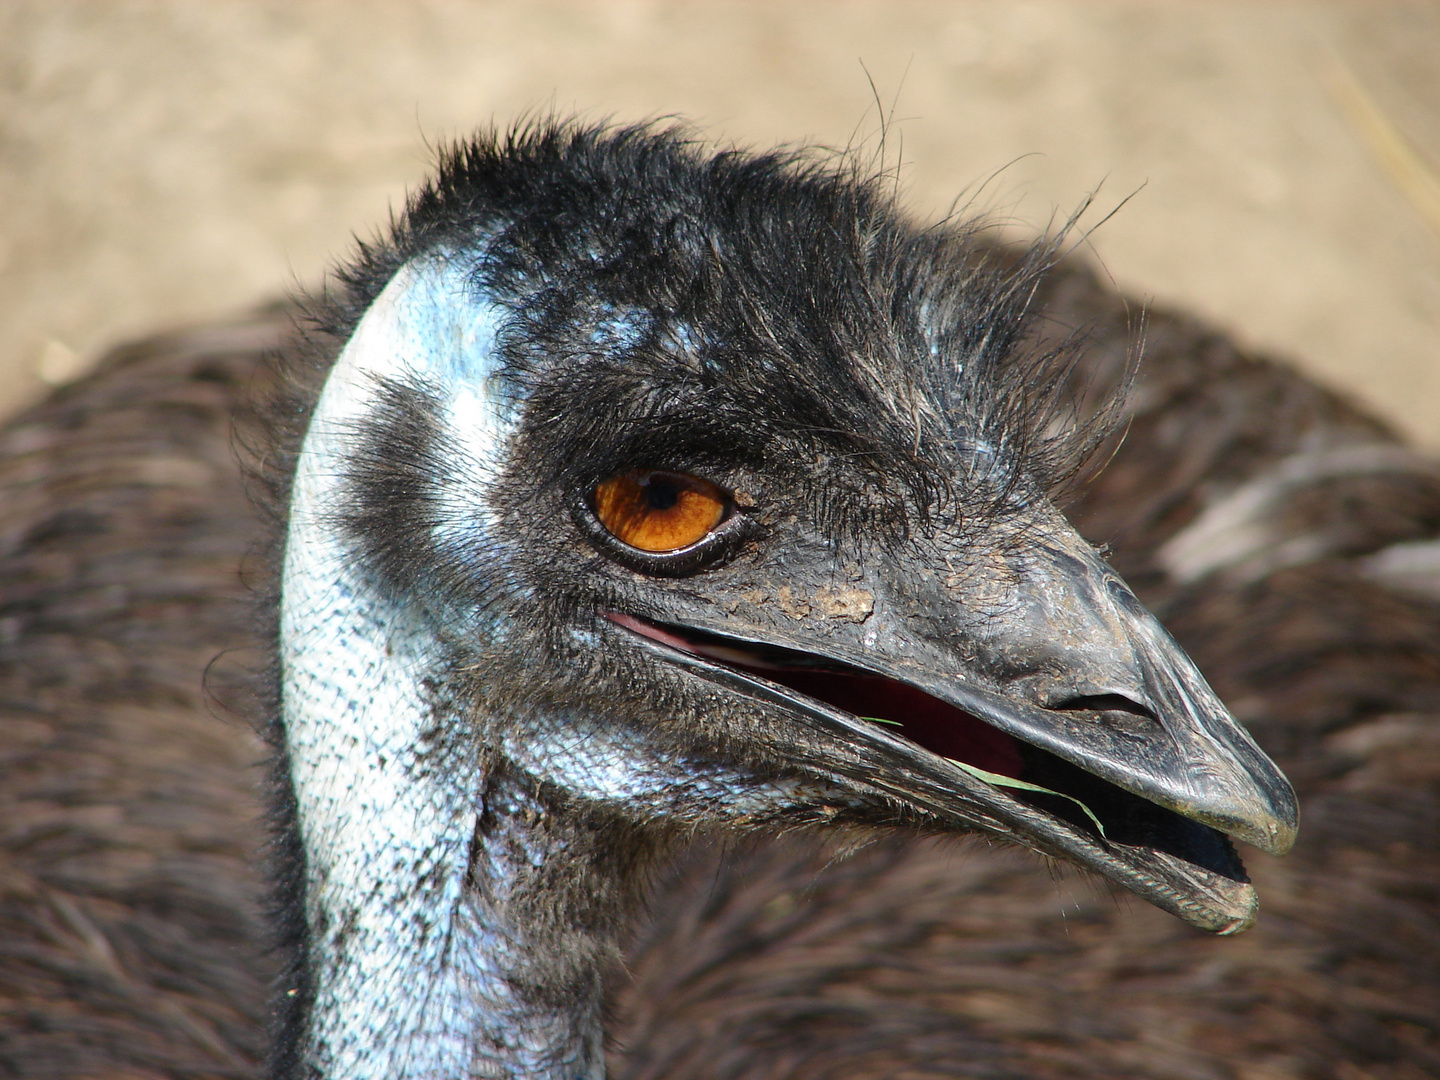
(131, 930)
(132, 939)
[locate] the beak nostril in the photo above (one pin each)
(1106, 703)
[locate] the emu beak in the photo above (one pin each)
(1046, 675)
(1081, 669)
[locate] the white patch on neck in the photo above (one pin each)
(616, 767)
(387, 811)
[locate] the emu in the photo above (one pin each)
(628, 498)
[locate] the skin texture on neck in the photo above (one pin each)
(417, 855)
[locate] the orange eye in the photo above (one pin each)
(658, 511)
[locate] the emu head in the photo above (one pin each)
(685, 492)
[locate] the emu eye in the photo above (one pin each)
(659, 511)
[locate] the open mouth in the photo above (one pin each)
(1118, 820)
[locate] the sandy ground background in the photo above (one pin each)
(163, 163)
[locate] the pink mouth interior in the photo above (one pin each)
(913, 714)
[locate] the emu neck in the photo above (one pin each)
(433, 947)
(428, 948)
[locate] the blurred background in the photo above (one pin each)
(1279, 163)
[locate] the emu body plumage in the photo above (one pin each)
(137, 861)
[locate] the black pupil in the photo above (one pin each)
(660, 494)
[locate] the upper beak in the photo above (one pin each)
(1080, 668)
(1060, 655)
